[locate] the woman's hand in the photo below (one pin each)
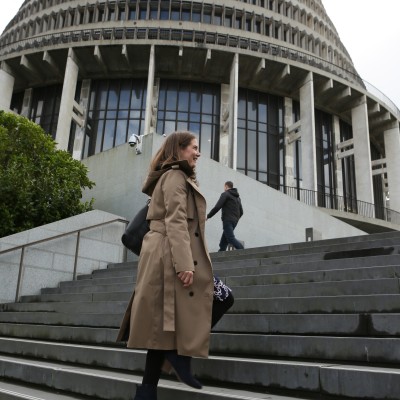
(186, 278)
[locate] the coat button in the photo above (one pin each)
(196, 234)
(191, 294)
(195, 262)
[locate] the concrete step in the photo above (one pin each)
(117, 307)
(292, 346)
(69, 334)
(19, 391)
(350, 274)
(319, 378)
(100, 281)
(349, 349)
(243, 279)
(257, 265)
(328, 304)
(372, 240)
(103, 288)
(387, 238)
(387, 303)
(15, 391)
(324, 251)
(312, 324)
(262, 268)
(319, 289)
(253, 286)
(77, 297)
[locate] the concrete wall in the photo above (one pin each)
(270, 217)
(47, 264)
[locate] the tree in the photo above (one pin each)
(38, 183)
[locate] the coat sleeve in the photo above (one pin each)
(240, 208)
(218, 206)
(175, 190)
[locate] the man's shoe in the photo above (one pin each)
(181, 366)
(146, 392)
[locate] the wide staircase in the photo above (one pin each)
(316, 320)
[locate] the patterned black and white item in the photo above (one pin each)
(221, 291)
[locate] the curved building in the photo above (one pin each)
(266, 84)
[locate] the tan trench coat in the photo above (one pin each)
(162, 314)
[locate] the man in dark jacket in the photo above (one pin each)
(231, 212)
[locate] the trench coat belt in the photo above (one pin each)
(169, 279)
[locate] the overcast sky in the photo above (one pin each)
(370, 31)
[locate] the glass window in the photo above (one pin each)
(153, 10)
(143, 10)
(121, 13)
(194, 106)
(238, 21)
(217, 16)
(100, 14)
(46, 107)
(116, 110)
(164, 10)
(90, 16)
(207, 11)
(175, 11)
(228, 17)
(186, 12)
(16, 102)
(111, 14)
(260, 137)
(196, 13)
(248, 22)
(348, 171)
(132, 10)
(325, 159)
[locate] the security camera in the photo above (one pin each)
(134, 140)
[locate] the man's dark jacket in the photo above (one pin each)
(231, 206)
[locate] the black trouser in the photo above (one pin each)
(155, 358)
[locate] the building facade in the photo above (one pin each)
(266, 85)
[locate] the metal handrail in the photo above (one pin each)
(204, 37)
(77, 231)
(342, 203)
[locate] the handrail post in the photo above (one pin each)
(78, 237)
(20, 274)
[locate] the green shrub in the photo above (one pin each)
(38, 183)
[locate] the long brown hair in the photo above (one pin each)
(170, 149)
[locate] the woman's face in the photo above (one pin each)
(191, 153)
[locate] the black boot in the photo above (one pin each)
(181, 366)
(146, 392)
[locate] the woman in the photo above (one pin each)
(170, 310)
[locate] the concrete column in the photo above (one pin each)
(81, 130)
(149, 98)
(289, 147)
(233, 111)
(67, 102)
(6, 89)
(337, 163)
(224, 123)
(362, 153)
(308, 150)
(27, 102)
(392, 150)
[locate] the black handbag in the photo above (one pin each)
(221, 291)
(134, 233)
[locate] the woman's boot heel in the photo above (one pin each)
(181, 366)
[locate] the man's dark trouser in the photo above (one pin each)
(228, 236)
